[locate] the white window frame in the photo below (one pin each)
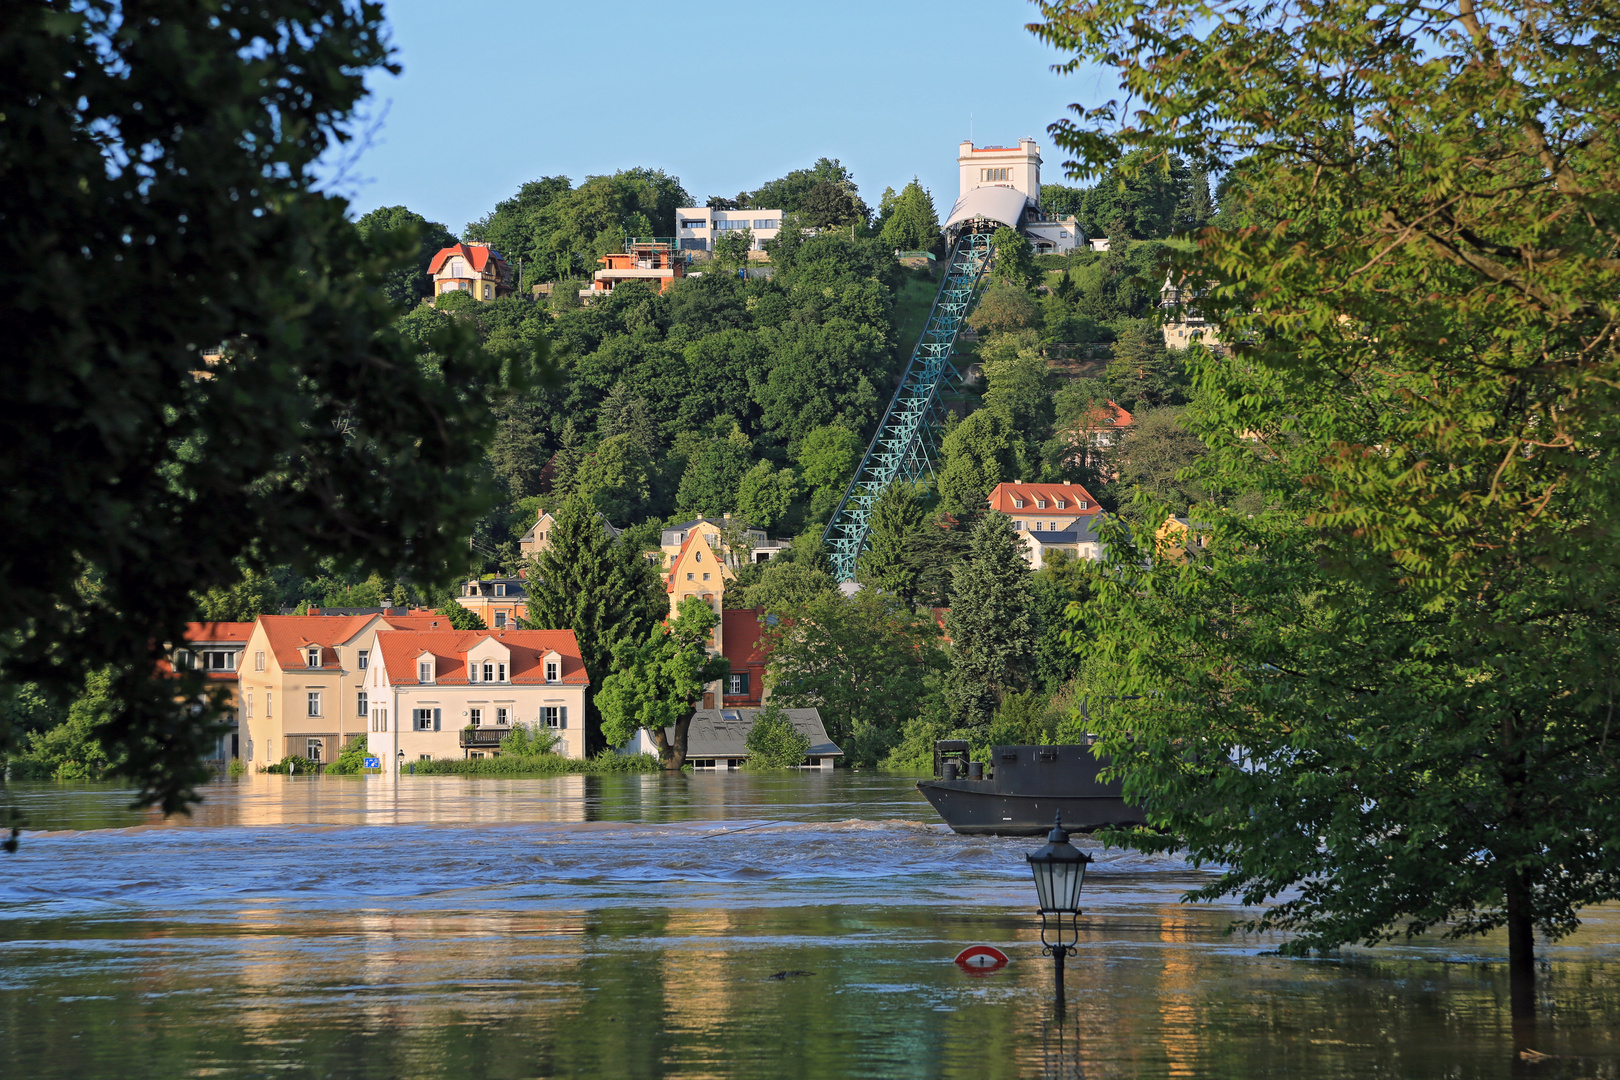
(314, 699)
(312, 656)
(502, 717)
(363, 659)
(475, 716)
(553, 670)
(500, 672)
(258, 660)
(424, 671)
(489, 671)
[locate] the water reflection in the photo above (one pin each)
(723, 925)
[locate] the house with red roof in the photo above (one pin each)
(215, 649)
(1050, 517)
(300, 682)
(1095, 431)
(457, 693)
(475, 269)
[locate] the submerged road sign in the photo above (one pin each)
(981, 959)
(371, 763)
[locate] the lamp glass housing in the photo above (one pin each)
(1059, 869)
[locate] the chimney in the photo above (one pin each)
(1066, 483)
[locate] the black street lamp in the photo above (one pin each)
(1060, 871)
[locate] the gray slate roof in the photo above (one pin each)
(721, 733)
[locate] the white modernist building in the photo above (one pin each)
(698, 227)
(1003, 184)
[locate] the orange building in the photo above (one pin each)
(653, 259)
(475, 269)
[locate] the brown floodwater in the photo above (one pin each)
(722, 925)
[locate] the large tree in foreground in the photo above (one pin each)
(1409, 655)
(658, 680)
(158, 206)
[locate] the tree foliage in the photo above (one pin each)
(160, 207)
(602, 590)
(657, 681)
(773, 742)
(990, 623)
(912, 223)
(866, 662)
(407, 285)
(887, 563)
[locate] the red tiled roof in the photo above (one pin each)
(430, 620)
(1002, 499)
(476, 254)
(1103, 417)
(218, 631)
(289, 635)
(400, 648)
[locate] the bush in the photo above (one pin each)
(538, 765)
(773, 742)
(292, 765)
(237, 768)
(351, 760)
(525, 740)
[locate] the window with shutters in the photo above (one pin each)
(422, 719)
(552, 715)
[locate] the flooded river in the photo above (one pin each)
(706, 926)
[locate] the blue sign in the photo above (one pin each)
(372, 763)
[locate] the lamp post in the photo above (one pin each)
(1060, 871)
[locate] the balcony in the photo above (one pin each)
(483, 736)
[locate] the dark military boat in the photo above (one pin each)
(1023, 789)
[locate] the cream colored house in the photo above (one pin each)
(300, 681)
(457, 693)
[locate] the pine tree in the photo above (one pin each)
(602, 590)
(992, 630)
(565, 465)
(886, 564)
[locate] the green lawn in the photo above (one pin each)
(911, 306)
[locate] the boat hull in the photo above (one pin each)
(1032, 786)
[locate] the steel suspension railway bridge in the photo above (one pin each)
(906, 442)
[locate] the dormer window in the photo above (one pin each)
(1082, 504)
(552, 672)
(424, 671)
(1018, 502)
(500, 672)
(1061, 504)
(489, 671)
(312, 656)
(500, 589)
(1040, 504)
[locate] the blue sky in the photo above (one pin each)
(724, 95)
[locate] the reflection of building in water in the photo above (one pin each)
(274, 799)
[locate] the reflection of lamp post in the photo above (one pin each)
(1060, 871)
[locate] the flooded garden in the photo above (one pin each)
(706, 926)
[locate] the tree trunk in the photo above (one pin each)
(1521, 950)
(677, 755)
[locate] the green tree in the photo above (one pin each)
(886, 564)
(713, 477)
(827, 457)
(990, 624)
(789, 192)
(462, 618)
(1014, 261)
(254, 594)
(912, 223)
(570, 455)
(1136, 199)
(765, 494)
(978, 453)
(1419, 291)
(617, 478)
(866, 662)
(773, 742)
(182, 216)
(603, 591)
(76, 749)
(1004, 307)
(1153, 457)
(732, 247)
(657, 681)
(1059, 583)
(408, 285)
(1143, 373)
(785, 584)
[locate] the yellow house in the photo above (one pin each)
(1176, 537)
(300, 683)
(475, 269)
(761, 548)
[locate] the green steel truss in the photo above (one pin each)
(904, 446)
